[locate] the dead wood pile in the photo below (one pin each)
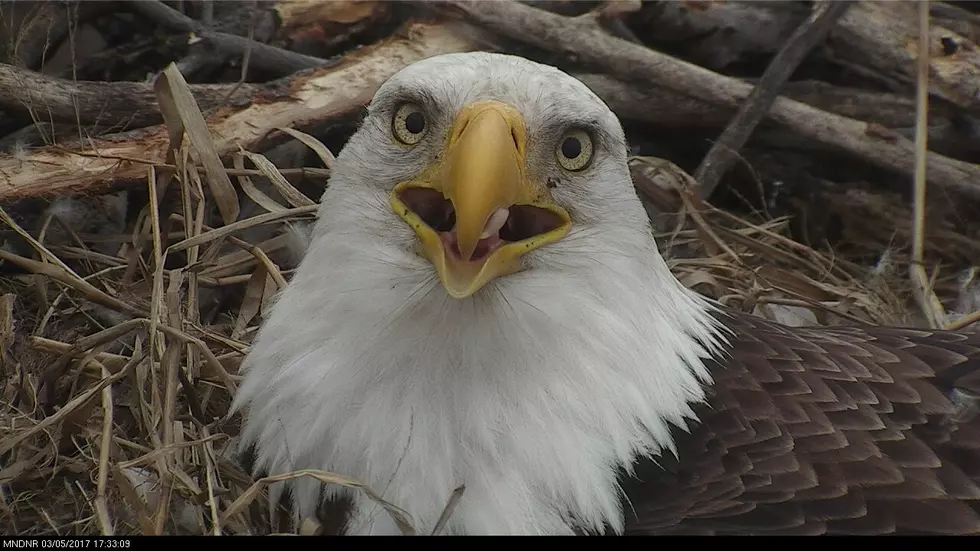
(158, 162)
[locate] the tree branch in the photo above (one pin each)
(723, 152)
(125, 104)
(263, 56)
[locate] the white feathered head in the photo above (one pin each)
(482, 303)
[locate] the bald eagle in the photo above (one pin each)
(483, 304)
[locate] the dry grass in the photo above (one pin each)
(115, 394)
(114, 415)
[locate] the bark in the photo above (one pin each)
(128, 104)
(724, 150)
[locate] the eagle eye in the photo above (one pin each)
(575, 150)
(409, 124)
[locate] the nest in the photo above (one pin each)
(124, 320)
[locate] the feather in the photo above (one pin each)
(956, 484)
(911, 453)
(865, 458)
(877, 521)
(936, 516)
(847, 506)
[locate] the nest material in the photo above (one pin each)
(122, 334)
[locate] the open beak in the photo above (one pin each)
(475, 211)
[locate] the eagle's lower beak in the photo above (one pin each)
(476, 211)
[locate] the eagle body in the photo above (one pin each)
(825, 430)
(483, 305)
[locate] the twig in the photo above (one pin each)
(113, 362)
(207, 12)
(108, 104)
(183, 116)
(218, 370)
(666, 108)
(153, 456)
(210, 472)
(924, 294)
(722, 154)
(58, 274)
(15, 440)
(447, 511)
(584, 41)
(223, 231)
(101, 506)
(246, 59)
(966, 320)
(263, 56)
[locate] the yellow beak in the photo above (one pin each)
(483, 174)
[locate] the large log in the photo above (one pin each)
(128, 105)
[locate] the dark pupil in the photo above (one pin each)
(415, 122)
(571, 148)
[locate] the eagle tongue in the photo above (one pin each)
(496, 221)
(487, 241)
(489, 237)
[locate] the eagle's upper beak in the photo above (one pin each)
(476, 210)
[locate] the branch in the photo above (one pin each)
(263, 56)
(107, 104)
(723, 152)
(583, 41)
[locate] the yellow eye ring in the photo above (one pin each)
(574, 150)
(409, 125)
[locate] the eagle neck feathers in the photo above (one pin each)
(532, 394)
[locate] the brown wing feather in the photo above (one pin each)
(833, 430)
